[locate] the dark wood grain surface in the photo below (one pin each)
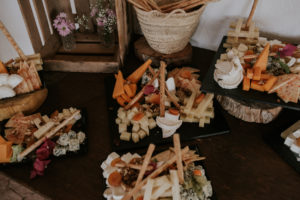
(240, 164)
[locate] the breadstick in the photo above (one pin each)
(177, 148)
(145, 163)
(154, 5)
(193, 5)
(137, 5)
(256, 55)
(133, 166)
(162, 85)
(172, 98)
(153, 175)
(48, 135)
(251, 13)
(141, 93)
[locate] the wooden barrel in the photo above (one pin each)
(249, 112)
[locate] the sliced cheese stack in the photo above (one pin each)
(5, 150)
(169, 124)
(229, 74)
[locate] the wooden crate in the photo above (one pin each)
(89, 55)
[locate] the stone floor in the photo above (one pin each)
(12, 190)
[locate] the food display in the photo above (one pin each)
(150, 98)
(38, 136)
(18, 80)
(259, 64)
(171, 174)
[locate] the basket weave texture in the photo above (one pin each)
(168, 33)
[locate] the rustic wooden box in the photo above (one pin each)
(89, 55)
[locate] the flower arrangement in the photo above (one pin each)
(82, 22)
(62, 25)
(104, 17)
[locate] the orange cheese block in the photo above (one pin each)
(262, 59)
(138, 73)
(2, 140)
(5, 152)
(121, 101)
(256, 73)
(255, 86)
(3, 68)
(270, 82)
(246, 83)
(126, 98)
(119, 85)
(265, 76)
(133, 87)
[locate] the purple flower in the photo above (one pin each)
(93, 11)
(56, 22)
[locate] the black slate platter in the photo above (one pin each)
(252, 96)
(187, 131)
(277, 144)
(80, 125)
(159, 149)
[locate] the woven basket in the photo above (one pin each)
(168, 33)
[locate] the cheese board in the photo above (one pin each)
(156, 173)
(217, 125)
(251, 96)
(282, 146)
(24, 156)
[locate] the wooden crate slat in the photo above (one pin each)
(30, 25)
(65, 6)
(52, 12)
(87, 37)
(96, 64)
(88, 48)
(121, 33)
(51, 46)
(42, 18)
(83, 7)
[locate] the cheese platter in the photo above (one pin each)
(38, 138)
(172, 173)
(280, 72)
(186, 109)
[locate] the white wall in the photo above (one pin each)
(11, 17)
(276, 17)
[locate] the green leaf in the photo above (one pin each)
(284, 67)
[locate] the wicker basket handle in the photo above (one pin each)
(12, 41)
(173, 12)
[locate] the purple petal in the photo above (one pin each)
(287, 50)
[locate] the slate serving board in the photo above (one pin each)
(188, 131)
(252, 96)
(80, 125)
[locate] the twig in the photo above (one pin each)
(162, 85)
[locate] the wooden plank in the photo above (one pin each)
(51, 46)
(65, 6)
(52, 12)
(42, 18)
(30, 25)
(83, 7)
(119, 15)
(88, 48)
(69, 63)
(87, 37)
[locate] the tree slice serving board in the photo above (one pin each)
(144, 52)
(252, 96)
(188, 131)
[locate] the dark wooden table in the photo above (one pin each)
(240, 164)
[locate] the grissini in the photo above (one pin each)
(47, 135)
(177, 148)
(162, 85)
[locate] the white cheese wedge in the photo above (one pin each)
(108, 193)
(111, 157)
(118, 193)
(291, 62)
(289, 140)
(296, 133)
(127, 157)
(108, 170)
(103, 165)
(295, 148)
(156, 83)
(14, 79)
(170, 83)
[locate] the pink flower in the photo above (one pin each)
(110, 12)
(56, 22)
(99, 21)
(63, 29)
(287, 50)
(39, 167)
(93, 11)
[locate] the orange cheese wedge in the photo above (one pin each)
(128, 91)
(256, 73)
(138, 73)
(246, 83)
(256, 86)
(262, 59)
(270, 82)
(3, 68)
(5, 150)
(119, 86)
